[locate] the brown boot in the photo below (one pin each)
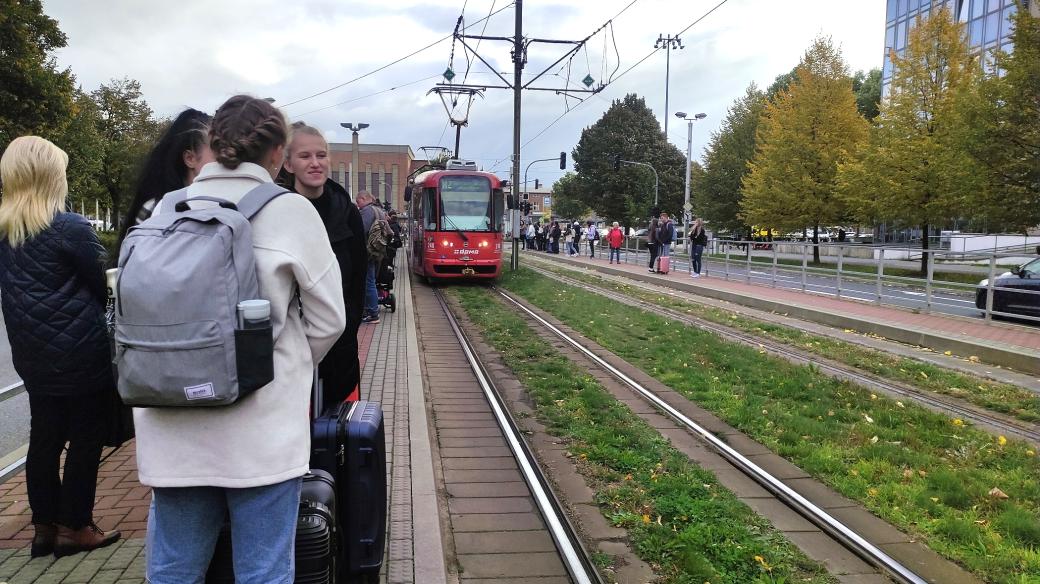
(82, 540)
(43, 541)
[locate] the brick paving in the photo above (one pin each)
(497, 532)
(1005, 334)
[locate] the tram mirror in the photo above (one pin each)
(408, 193)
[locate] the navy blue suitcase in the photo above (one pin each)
(348, 443)
(316, 541)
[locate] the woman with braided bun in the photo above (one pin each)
(246, 461)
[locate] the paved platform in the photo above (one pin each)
(1004, 344)
(391, 375)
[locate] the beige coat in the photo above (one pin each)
(264, 439)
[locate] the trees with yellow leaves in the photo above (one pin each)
(916, 170)
(811, 128)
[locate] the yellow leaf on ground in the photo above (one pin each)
(1001, 440)
(997, 493)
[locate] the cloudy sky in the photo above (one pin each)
(199, 52)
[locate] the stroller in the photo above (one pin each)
(385, 282)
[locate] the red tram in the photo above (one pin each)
(456, 224)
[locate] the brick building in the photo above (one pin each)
(383, 170)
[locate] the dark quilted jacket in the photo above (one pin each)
(53, 295)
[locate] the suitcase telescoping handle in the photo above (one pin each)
(317, 399)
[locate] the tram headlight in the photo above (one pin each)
(446, 243)
(484, 244)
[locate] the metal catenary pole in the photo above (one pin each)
(687, 208)
(518, 67)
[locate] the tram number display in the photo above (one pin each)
(466, 252)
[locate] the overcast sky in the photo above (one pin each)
(199, 52)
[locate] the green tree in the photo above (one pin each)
(80, 139)
(35, 97)
(1003, 126)
(717, 184)
(804, 135)
(630, 130)
(915, 170)
(567, 198)
(782, 82)
(126, 129)
(867, 87)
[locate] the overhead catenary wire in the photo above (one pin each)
(390, 64)
(612, 81)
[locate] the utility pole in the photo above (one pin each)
(518, 66)
(687, 207)
(668, 43)
(519, 55)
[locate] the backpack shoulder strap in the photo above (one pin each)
(169, 200)
(255, 200)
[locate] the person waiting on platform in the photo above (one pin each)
(614, 240)
(172, 164)
(665, 237)
(592, 236)
(52, 285)
(306, 171)
(371, 214)
(699, 239)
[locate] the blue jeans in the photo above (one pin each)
(698, 250)
(615, 252)
(371, 296)
(184, 522)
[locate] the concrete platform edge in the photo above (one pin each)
(1019, 360)
(427, 544)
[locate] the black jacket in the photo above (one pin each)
(53, 297)
(347, 234)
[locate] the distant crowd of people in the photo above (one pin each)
(317, 259)
(661, 235)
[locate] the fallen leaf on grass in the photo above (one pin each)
(997, 493)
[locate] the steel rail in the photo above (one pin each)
(836, 529)
(575, 558)
(831, 369)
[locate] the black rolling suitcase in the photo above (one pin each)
(316, 538)
(348, 443)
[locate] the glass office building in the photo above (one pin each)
(988, 21)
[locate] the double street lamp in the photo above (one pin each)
(687, 207)
(355, 162)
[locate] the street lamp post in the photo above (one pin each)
(687, 207)
(355, 162)
(619, 162)
(667, 43)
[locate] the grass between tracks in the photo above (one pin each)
(681, 521)
(1005, 398)
(971, 496)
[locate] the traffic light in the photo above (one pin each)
(537, 184)
(527, 208)
(617, 162)
(563, 161)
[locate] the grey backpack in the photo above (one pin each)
(182, 275)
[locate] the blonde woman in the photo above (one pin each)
(52, 286)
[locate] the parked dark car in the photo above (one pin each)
(1025, 278)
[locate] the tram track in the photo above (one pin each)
(986, 420)
(575, 558)
(778, 488)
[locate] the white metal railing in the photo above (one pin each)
(863, 272)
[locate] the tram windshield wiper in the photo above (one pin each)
(456, 228)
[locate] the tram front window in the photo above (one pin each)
(466, 203)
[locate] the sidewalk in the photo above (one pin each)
(390, 375)
(1008, 345)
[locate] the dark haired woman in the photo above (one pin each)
(173, 163)
(246, 461)
(306, 171)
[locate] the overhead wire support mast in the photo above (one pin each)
(519, 57)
